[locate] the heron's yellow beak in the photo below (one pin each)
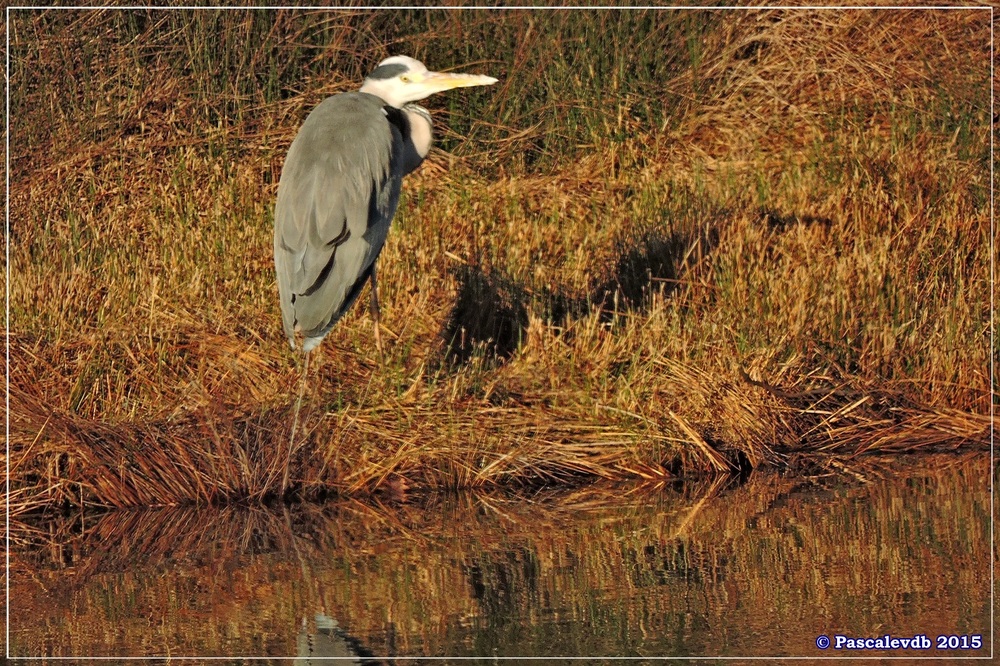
(440, 81)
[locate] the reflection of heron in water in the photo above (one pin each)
(329, 640)
(328, 644)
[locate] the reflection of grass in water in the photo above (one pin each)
(707, 568)
(717, 240)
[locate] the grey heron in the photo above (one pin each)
(339, 190)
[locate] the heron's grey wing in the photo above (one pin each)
(338, 192)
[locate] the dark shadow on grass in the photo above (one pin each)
(647, 264)
(652, 263)
(778, 221)
(490, 314)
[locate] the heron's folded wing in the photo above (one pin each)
(333, 176)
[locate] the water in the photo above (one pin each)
(711, 568)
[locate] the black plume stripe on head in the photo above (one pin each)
(391, 71)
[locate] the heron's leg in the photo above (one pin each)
(375, 311)
(295, 425)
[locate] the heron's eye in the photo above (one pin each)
(405, 78)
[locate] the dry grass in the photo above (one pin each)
(767, 245)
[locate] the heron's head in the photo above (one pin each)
(400, 79)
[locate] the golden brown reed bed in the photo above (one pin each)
(775, 251)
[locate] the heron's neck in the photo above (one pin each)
(420, 130)
(414, 125)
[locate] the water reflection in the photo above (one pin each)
(708, 568)
(325, 639)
